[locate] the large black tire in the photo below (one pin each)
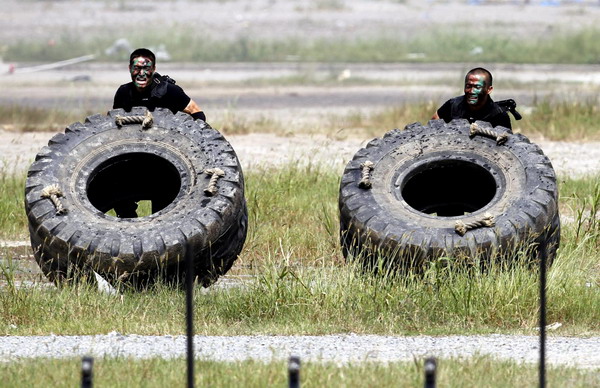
(427, 177)
(97, 164)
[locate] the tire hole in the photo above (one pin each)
(133, 185)
(448, 188)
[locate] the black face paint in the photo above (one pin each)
(475, 89)
(141, 71)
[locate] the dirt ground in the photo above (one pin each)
(255, 150)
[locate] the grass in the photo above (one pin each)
(299, 283)
(564, 121)
(434, 44)
(28, 119)
(13, 223)
(560, 121)
(119, 372)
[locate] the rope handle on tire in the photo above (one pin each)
(365, 181)
(461, 227)
(215, 174)
(53, 192)
(146, 120)
(500, 138)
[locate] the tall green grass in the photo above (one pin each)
(560, 121)
(13, 223)
(563, 120)
(450, 43)
(122, 372)
(299, 283)
(293, 212)
(25, 119)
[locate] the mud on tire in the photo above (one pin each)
(96, 164)
(427, 177)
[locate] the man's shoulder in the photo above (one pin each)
(173, 87)
(456, 100)
(453, 101)
(493, 107)
(174, 91)
(446, 110)
(125, 87)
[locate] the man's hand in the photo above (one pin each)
(199, 116)
(194, 110)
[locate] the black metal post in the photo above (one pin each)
(294, 372)
(542, 376)
(430, 369)
(189, 313)
(87, 372)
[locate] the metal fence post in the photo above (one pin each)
(542, 376)
(189, 313)
(87, 372)
(430, 369)
(294, 372)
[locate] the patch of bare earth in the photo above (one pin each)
(573, 159)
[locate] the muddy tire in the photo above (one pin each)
(425, 178)
(97, 165)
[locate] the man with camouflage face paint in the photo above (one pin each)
(476, 103)
(150, 89)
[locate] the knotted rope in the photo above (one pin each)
(462, 227)
(54, 192)
(365, 181)
(215, 174)
(146, 120)
(501, 138)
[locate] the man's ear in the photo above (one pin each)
(489, 89)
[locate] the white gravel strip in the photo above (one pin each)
(567, 351)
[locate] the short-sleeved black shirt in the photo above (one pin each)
(173, 98)
(456, 108)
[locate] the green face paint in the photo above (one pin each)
(142, 70)
(475, 90)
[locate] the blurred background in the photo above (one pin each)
(341, 68)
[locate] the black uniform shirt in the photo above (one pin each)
(456, 108)
(162, 94)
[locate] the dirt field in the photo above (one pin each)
(569, 159)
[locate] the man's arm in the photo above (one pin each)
(194, 110)
(443, 112)
(121, 99)
(192, 107)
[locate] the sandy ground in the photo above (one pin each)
(17, 151)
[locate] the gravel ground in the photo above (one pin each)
(577, 352)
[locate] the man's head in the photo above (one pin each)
(478, 86)
(142, 65)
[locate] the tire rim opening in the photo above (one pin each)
(448, 188)
(133, 185)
